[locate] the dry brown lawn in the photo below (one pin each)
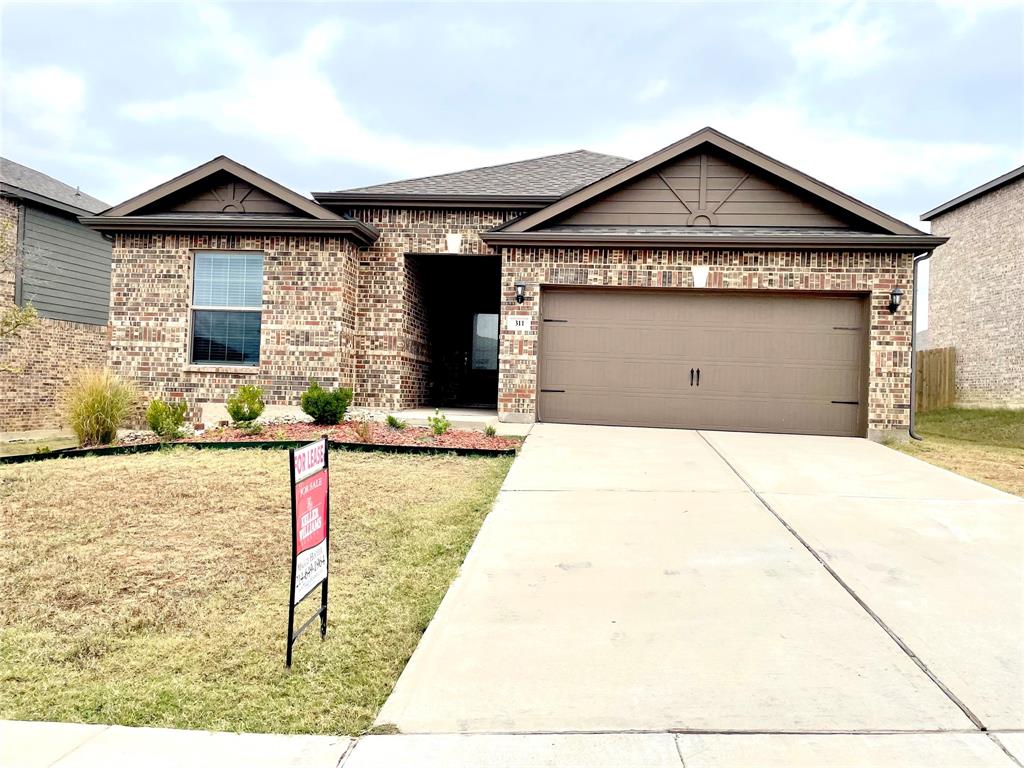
(984, 444)
(153, 589)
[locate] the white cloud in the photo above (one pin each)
(48, 101)
(288, 101)
(964, 13)
(837, 40)
(653, 90)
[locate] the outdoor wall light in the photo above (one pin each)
(520, 291)
(895, 299)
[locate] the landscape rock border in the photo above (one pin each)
(116, 450)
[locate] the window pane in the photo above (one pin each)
(485, 342)
(226, 337)
(228, 279)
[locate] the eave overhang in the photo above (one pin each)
(967, 197)
(357, 231)
(386, 200)
(8, 190)
(770, 242)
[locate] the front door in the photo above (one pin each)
(481, 382)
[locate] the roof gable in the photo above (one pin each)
(709, 179)
(704, 188)
(221, 186)
(222, 192)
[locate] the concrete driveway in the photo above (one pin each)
(667, 580)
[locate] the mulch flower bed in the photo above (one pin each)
(379, 434)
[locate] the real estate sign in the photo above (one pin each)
(311, 507)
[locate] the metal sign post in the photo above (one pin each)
(311, 525)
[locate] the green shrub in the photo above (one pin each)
(490, 431)
(246, 405)
(395, 423)
(439, 423)
(326, 406)
(97, 404)
(166, 419)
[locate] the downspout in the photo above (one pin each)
(913, 347)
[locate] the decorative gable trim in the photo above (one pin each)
(709, 137)
(218, 165)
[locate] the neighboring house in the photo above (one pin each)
(924, 339)
(976, 290)
(706, 285)
(62, 268)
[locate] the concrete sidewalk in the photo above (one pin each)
(666, 750)
(70, 745)
(74, 745)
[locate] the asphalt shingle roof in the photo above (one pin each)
(16, 175)
(552, 176)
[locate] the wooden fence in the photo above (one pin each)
(935, 378)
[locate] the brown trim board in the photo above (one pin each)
(405, 200)
(724, 241)
(361, 233)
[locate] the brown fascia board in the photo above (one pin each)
(221, 163)
(748, 154)
(723, 242)
(23, 194)
(358, 231)
(395, 200)
(966, 197)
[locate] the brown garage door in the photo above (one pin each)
(709, 360)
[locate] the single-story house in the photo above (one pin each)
(706, 285)
(976, 290)
(49, 260)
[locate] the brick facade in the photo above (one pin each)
(394, 358)
(308, 321)
(354, 316)
(976, 295)
(874, 273)
(36, 367)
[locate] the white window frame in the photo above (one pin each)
(193, 308)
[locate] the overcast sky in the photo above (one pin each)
(903, 105)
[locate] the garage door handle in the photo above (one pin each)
(691, 377)
(698, 377)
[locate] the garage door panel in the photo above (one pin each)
(797, 382)
(608, 374)
(712, 344)
(648, 408)
(609, 340)
(611, 376)
(767, 362)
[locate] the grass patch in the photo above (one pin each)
(984, 444)
(153, 589)
(19, 447)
